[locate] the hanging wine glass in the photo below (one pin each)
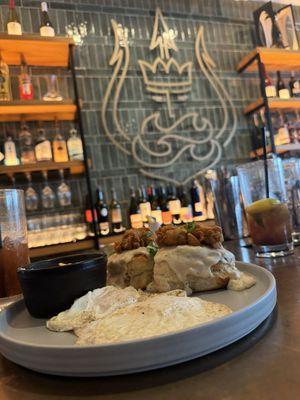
(31, 196)
(64, 193)
(48, 195)
(52, 89)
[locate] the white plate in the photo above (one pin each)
(25, 340)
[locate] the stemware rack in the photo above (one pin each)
(55, 52)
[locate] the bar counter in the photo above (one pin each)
(263, 365)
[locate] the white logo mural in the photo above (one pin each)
(163, 140)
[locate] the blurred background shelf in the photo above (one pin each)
(75, 167)
(37, 50)
(35, 110)
(273, 59)
(64, 248)
(274, 104)
(284, 148)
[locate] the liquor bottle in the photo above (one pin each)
(269, 86)
(198, 202)
(13, 23)
(116, 214)
(46, 28)
(282, 91)
(10, 152)
(174, 206)
(89, 217)
(75, 147)
(144, 206)
(25, 84)
(43, 151)
(155, 207)
(60, 152)
(294, 86)
(5, 89)
(102, 214)
(26, 146)
(186, 213)
(135, 215)
(163, 202)
(282, 136)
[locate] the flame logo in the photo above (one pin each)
(162, 141)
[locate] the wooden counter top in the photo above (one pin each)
(264, 365)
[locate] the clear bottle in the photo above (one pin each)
(102, 214)
(116, 214)
(5, 88)
(25, 84)
(60, 152)
(13, 22)
(75, 147)
(135, 215)
(10, 152)
(198, 202)
(46, 28)
(27, 154)
(43, 151)
(186, 213)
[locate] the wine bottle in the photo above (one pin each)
(25, 84)
(282, 91)
(155, 207)
(102, 214)
(269, 86)
(174, 206)
(26, 146)
(186, 213)
(13, 23)
(116, 214)
(74, 145)
(283, 135)
(10, 152)
(89, 217)
(294, 85)
(5, 88)
(198, 202)
(163, 202)
(144, 205)
(43, 151)
(46, 28)
(135, 215)
(60, 152)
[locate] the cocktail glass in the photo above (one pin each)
(269, 219)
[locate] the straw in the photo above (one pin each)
(265, 163)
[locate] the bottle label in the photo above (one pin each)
(186, 214)
(75, 149)
(88, 216)
(271, 91)
(282, 136)
(157, 214)
(104, 212)
(296, 88)
(284, 94)
(136, 221)
(26, 89)
(43, 151)
(14, 28)
(47, 31)
(145, 209)
(104, 228)
(116, 215)
(10, 154)
(1, 156)
(60, 151)
(174, 206)
(198, 207)
(167, 218)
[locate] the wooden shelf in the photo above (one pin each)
(274, 60)
(37, 50)
(274, 104)
(34, 110)
(280, 149)
(64, 248)
(75, 167)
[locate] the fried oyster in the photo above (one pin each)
(192, 235)
(133, 239)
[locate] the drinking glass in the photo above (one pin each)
(14, 251)
(269, 219)
(291, 168)
(64, 193)
(52, 89)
